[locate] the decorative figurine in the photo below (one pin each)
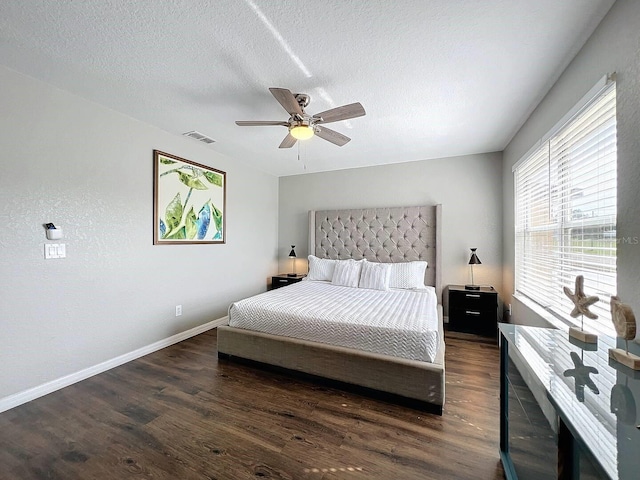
(581, 308)
(624, 322)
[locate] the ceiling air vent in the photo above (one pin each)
(199, 136)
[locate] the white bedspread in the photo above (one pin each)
(400, 323)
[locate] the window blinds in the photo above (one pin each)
(565, 213)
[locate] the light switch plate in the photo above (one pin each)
(50, 250)
(55, 250)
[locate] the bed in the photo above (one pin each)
(414, 372)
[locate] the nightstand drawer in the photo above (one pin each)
(473, 321)
(278, 281)
(474, 300)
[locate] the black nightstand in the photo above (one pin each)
(473, 311)
(282, 280)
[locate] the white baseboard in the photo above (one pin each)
(25, 396)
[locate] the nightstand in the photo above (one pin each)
(282, 280)
(473, 311)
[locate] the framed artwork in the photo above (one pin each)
(188, 201)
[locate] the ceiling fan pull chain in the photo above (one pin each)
(304, 165)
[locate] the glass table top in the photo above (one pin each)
(598, 397)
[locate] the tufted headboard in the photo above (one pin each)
(398, 234)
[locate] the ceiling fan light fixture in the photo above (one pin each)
(301, 132)
(302, 126)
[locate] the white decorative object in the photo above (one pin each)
(624, 322)
(581, 308)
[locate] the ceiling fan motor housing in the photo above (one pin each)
(303, 99)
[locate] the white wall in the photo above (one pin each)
(614, 46)
(89, 170)
(468, 187)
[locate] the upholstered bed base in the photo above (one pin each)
(411, 379)
(379, 235)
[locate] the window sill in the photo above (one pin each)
(541, 312)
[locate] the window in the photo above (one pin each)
(565, 211)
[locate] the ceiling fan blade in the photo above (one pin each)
(287, 100)
(288, 142)
(344, 112)
(260, 123)
(332, 136)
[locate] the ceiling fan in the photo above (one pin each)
(302, 125)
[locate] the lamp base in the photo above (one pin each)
(472, 287)
(292, 274)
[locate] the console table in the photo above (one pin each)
(566, 410)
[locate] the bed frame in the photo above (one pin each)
(385, 235)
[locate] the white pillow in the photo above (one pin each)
(347, 273)
(407, 275)
(375, 276)
(320, 268)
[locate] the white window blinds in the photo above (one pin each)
(565, 213)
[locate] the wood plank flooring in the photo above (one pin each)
(180, 413)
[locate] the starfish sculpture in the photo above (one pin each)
(580, 301)
(581, 375)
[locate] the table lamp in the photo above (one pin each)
(292, 256)
(474, 260)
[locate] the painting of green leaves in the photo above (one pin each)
(189, 201)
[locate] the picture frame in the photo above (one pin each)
(189, 202)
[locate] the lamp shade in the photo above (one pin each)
(474, 260)
(301, 132)
(292, 253)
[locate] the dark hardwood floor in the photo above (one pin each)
(180, 413)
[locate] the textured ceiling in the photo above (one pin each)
(437, 78)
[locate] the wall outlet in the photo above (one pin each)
(509, 309)
(178, 310)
